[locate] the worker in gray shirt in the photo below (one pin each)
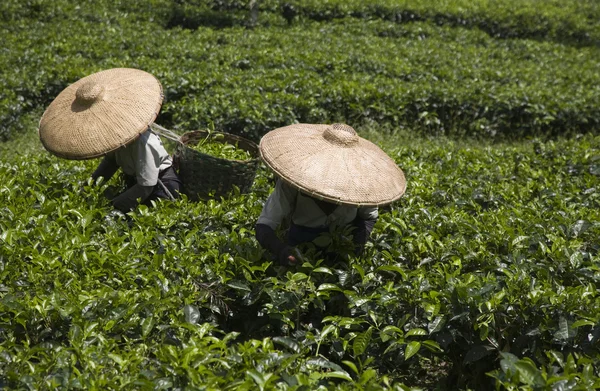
(148, 171)
(328, 177)
(108, 114)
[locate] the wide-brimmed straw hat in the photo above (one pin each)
(100, 113)
(332, 163)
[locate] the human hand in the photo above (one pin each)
(110, 192)
(291, 260)
(288, 257)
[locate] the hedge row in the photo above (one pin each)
(571, 22)
(419, 76)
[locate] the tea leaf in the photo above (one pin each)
(361, 342)
(411, 349)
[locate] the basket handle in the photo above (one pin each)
(166, 133)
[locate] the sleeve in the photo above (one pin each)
(147, 164)
(368, 213)
(106, 169)
(278, 206)
(127, 200)
(269, 241)
(364, 223)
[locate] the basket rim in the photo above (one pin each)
(255, 152)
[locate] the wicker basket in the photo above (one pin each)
(205, 175)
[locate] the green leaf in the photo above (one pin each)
(239, 286)
(557, 357)
(582, 322)
(436, 324)
(392, 330)
(580, 227)
(393, 268)
(289, 343)
(257, 377)
(326, 330)
(192, 314)
(118, 359)
(323, 270)
(412, 349)
(89, 328)
(147, 324)
(507, 364)
(328, 287)
(432, 345)
(299, 276)
(324, 363)
(528, 373)
(393, 346)
(519, 239)
(416, 331)
(337, 374)
(351, 365)
(361, 342)
(367, 375)
(565, 331)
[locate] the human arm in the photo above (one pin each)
(364, 222)
(278, 207)
(128, 200)
(268, 239)
(106, 169)
(141, 161)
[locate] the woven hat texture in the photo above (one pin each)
(332, 163)
(100, 113)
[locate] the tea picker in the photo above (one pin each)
(108, 114)
(328, 177)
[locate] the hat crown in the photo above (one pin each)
(89, 93)
(341, 134)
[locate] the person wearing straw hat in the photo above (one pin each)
(108, 114)
(148, 170)
(328, 176)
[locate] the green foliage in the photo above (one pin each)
(569, 22)
(221, 149)
(484, 275)
(487, 265)
(569, 374)
(434, 78)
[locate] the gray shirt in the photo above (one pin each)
(143, 159)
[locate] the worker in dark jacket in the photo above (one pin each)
(329, 177)
(310, 218)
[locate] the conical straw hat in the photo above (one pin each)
(100, 113)
(332, 163)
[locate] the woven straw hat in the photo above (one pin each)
(332, 163)
(100, 113)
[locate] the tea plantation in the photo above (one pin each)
(485, 275)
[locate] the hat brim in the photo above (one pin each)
(360, 174)
(100, 113)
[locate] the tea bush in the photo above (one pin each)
(483, 276)
(570, 22)
(484, 272)
(433, 79)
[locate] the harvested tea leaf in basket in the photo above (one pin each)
(212, 164)
(215, 147)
